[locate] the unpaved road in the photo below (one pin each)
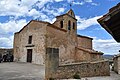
(21, 71)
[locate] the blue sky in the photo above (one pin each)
(14, 14)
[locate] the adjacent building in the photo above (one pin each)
(4, 51)
(111, 23)
(31, 42)
(116, 61)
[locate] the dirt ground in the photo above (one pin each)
(21, 71)
(28, 71)
(113, 76)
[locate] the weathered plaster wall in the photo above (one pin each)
(38, 32)
(82, 56)
(16, 43)
(84, 42)
(96, 56)
(64, 41)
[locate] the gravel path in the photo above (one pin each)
(28, 71)
(113, 76)
(21, 71)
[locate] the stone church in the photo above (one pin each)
(32, 41)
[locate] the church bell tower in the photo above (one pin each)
(67, 22)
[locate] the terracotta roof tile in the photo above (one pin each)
(84, 36)
(89, 50)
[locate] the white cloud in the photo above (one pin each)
(69, 1)
(108, 46)
(78, 3)
(28, 3)
(94, 4)
(58, 0)
(83, 2)
(53, 20)
(85, 23)
(53, 11)
(12, 7)
(33, 12)
(22, 8)
(89, 1)
(12, 26)
(60, 10)
(41, 3)
(9, 28)
(6, 42)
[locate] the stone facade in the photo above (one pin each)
(83, 70)
(21, 45)
(61, 34)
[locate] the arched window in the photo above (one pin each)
(73, 25)
(69, 25)
(61, 24)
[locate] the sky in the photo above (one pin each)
(15, 14)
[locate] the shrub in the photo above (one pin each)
(76, 76)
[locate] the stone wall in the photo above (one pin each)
(66, 43)
(96, 56)
(116, 62)
(84, 42)
(87, 55)
(37, 30)
(16, 43)
(82, 55)
(91, 69)
(118, 65)
(83, 70)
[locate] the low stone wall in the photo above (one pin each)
(88, 69)
(83, 70)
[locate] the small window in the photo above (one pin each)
(73, 25)
(61, 24)
(69, 25)
(30, 40)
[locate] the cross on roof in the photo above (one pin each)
(71, 3)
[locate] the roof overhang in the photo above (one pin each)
(111, 22)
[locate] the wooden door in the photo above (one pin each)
(29, 55)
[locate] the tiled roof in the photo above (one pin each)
(84, 36)
(89, 50)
